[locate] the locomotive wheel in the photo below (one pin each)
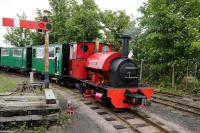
(106, 101)
(80, 87)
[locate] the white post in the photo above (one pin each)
(31, 77)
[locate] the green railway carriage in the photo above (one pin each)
(16, 58)
(58, 59)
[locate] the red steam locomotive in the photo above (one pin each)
(109, 77)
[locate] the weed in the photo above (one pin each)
(63, 118)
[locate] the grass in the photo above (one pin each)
(190, 91)
(7, 84)
(172, 90)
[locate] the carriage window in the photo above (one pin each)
(17, 52)
(39, 53)
(4, 52)
(51, 52)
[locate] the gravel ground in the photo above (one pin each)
(85, 120)
(80, 123)
(83, 124)
(182, 121)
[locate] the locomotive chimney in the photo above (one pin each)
(125, 42)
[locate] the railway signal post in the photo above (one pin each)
(42, 26)
(46, 73)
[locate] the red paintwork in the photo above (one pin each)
(98, 97)
(101, 61)
(8, 22)
(117, 96)
(79, 54)
(96, 78)
(25, 24)
(78, 61)
(79, 57)
(78, 69)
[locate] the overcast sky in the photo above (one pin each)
(9, 8)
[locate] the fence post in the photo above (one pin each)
(141, 65)
(173, 76)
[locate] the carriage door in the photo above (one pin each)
(57, 61)
(24, 60)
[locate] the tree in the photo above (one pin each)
(169, 29)
(115, 23)
(84, 22)
(74, 22)
(61, 12)
(38, 36)
(18, 36)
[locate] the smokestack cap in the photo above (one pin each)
(127, 36)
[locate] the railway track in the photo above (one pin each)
(123, 120)
(141, 122)
(177, 102)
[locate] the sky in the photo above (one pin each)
(9, 8)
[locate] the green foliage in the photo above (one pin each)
(74, 22)
(38, 36)
(42, 128)
(61, 11)
(63, 118)
(170, 36)
(116, 23)
(84, 23)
